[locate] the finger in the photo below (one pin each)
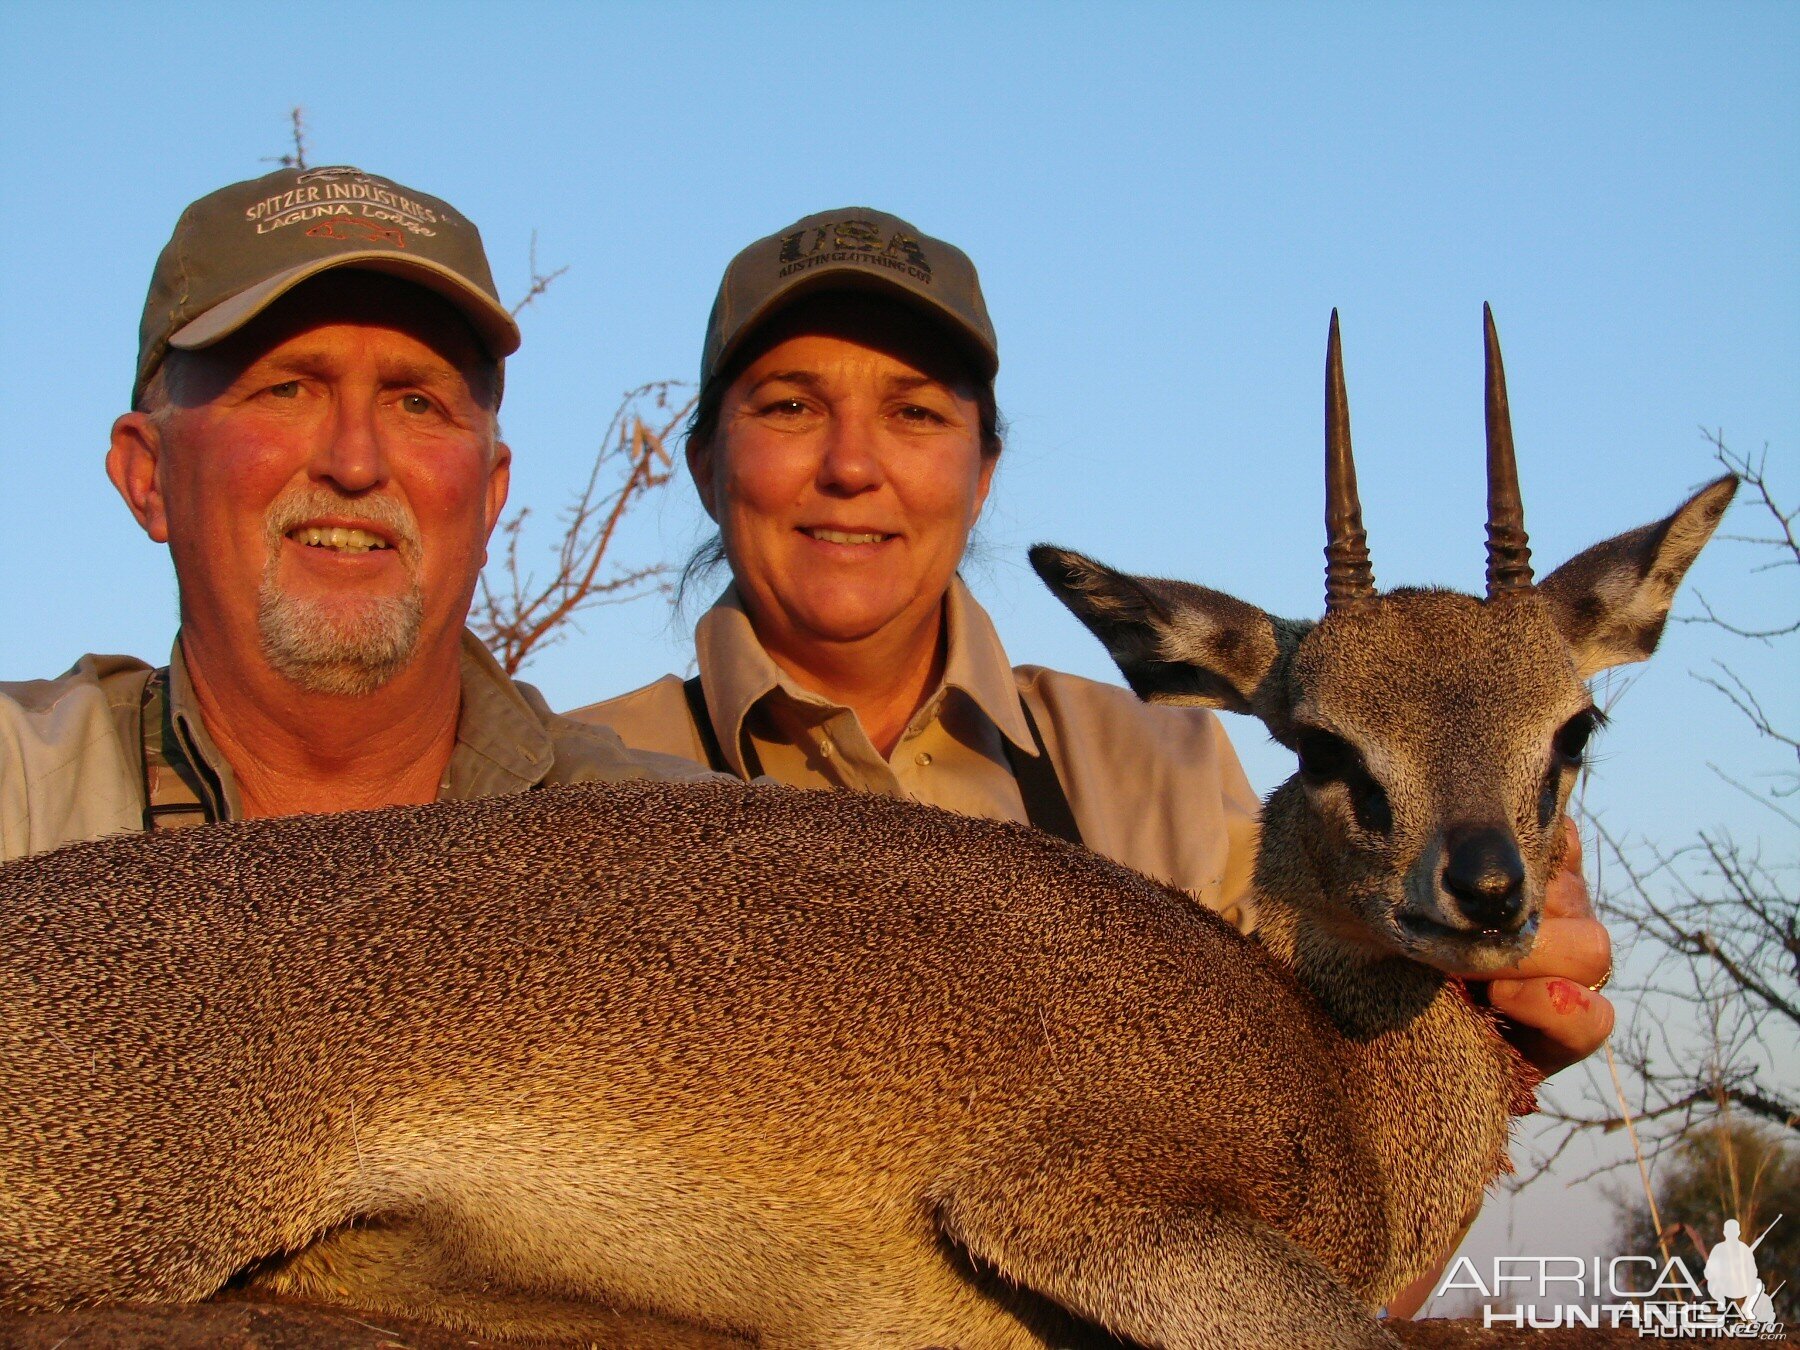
(1571, 859)
(1566, 893)
(1555, 1022)
(1572, 949)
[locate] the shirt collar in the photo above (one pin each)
(501, 744)
(217, 781)
(739, 673)
(976, 663)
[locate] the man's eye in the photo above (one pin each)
(286, 389)
(416, 403)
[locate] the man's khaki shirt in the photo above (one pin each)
(72, 759)
(1154, 787)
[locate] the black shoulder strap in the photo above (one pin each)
(709, 739)
(1046, 804)
(174, 797)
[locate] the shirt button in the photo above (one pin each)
(923, 759)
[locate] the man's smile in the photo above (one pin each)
(343, 539)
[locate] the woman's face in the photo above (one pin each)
(846, 474)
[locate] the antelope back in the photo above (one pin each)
(1438, 733)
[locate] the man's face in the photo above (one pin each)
(326, 480)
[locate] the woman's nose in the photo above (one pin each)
(850, 462)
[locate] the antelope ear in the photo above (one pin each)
(1612, 601)
(1174, 642)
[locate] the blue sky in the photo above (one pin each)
(1165, 202)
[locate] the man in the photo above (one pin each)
(314, 435)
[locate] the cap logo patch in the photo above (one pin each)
(853, 241)
(343, 193)
(357, 229)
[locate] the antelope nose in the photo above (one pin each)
(1483, 870)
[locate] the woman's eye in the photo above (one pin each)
(784, 407)
(913, 412)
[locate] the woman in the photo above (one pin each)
(844, 442)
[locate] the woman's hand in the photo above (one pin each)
(1555, 1013)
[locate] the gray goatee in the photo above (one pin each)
(350, 646)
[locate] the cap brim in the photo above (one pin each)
(849, 277)
(492, 324)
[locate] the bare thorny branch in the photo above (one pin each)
(295, 158)
(540, 281)
(1782, 547)
(514, 615)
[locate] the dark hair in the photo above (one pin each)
(703, 426)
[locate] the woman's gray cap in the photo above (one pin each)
(850, 248)
(238, 250)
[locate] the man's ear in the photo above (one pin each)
(499, 484)
(1612, 600)
(1174, 642)
(700, 465)
(134, 464)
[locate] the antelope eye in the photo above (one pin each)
(1572, 739)
(1324, 756)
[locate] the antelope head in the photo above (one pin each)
(1438, 734)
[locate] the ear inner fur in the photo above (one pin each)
(1611, 601)
(1173, 641)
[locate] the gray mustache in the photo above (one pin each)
(302, 505)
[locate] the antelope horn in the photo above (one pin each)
(1348, 576)
(1508, 552)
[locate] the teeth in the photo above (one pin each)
(839, 537)
(336, 537)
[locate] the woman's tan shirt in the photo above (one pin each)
(1156, 788)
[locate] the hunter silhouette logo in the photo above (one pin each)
(352, 228)
(1731, 1276)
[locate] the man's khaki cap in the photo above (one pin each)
(847, 249)
(238, 250)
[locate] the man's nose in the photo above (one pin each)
(351, 452)
(851, 462)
